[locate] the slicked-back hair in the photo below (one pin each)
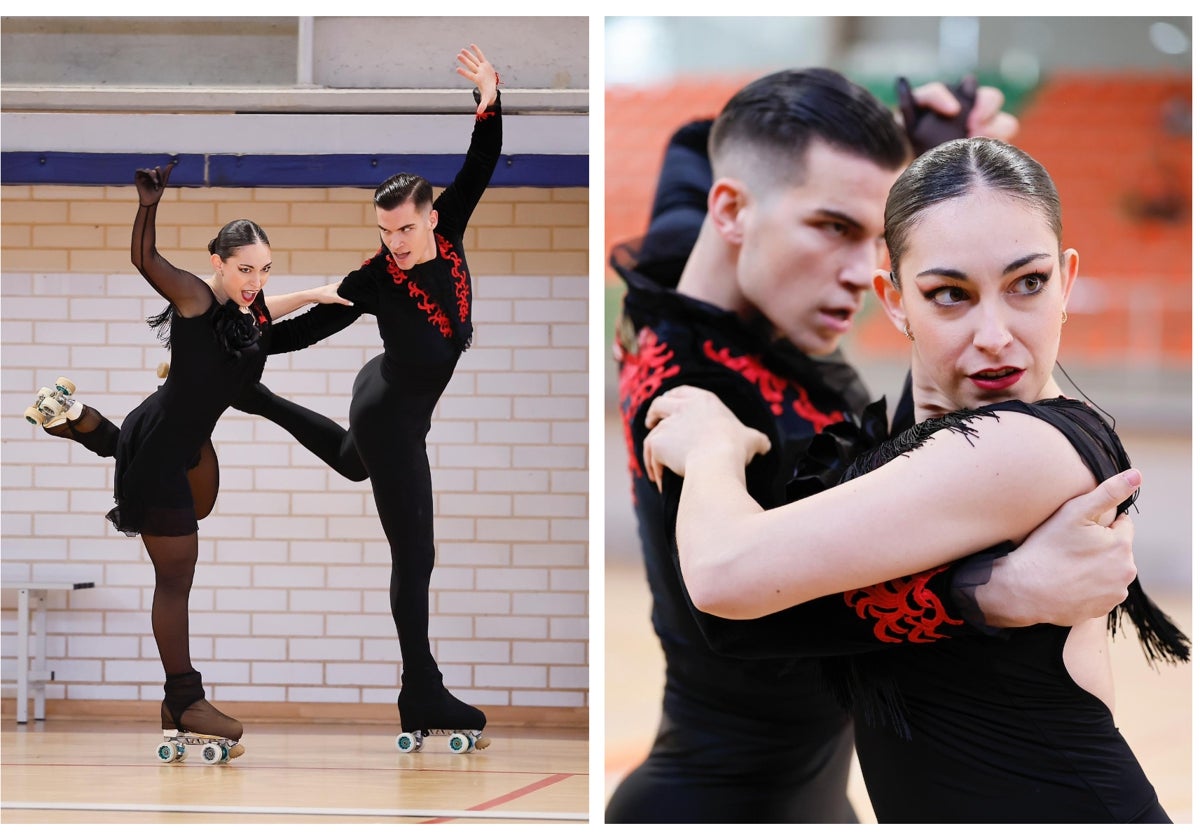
(402, 187)
(234, 235)
(769, 124)
(957, 168)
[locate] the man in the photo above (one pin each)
(787, 230)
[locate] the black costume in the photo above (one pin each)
(166, 472)
(424, 319)
(739, 741)
(214, 356)
(990, 727)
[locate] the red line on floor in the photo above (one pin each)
(516, 794)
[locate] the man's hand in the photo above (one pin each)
(1072, 568)
(934, 114)
(479, 70)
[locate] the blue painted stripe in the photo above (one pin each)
(116, 169)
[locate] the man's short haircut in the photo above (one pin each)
(764, 130)
(402, 187)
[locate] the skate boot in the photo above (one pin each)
(56, 411)
(433, 710)
(190, 720)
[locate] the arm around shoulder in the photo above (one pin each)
(957, 494)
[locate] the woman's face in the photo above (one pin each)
(983, 291)
(245, 273)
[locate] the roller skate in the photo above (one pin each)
(435, 711)
(199, 724)
(58, 413)
(51, 405)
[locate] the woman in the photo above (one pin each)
(166, 475)
(980, 728)
(419, 289)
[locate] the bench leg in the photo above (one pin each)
(39, 655)
(23, 656)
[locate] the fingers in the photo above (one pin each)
(937, 97)
(988, 118)
(166, 172)
(1108, 494)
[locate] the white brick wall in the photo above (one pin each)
(290, 597)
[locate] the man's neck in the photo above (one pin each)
(710, 274)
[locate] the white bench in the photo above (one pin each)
(31, 613)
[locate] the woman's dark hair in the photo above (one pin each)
(957, 168)
(779, 115)
(400, 188)
(234, 235)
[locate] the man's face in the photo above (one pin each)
(808, 252)
(407, 232)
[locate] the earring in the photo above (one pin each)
(1064, 320)
(908, 332)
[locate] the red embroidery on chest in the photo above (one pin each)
(462, 282)
(772, 386)
(641, 377)
(903, 609)
(462, 288)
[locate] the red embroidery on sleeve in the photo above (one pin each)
(772, 386)
(904, 610)
(641, 377)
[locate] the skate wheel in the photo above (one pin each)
(163, 369)
(459, 743)
(65, 385)
(33, 416)
(214, 754)
(407, 742)
(166, 752)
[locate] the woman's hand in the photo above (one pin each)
(329, 294)
(687, 420)
(479, 70)
(150, 184)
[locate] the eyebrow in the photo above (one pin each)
(842, 217)
(956, 274)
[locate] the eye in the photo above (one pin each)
(1031, 284)
(946, 295)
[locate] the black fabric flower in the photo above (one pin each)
(235, 330)
(831, 452)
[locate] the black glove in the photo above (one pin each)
(927, 128)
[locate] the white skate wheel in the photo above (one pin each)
(33, 416)
(166, 752)
(406, 742)
(65, 385)
(459, 743)
(213, 753)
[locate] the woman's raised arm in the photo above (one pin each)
(190, 295)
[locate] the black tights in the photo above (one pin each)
(385, 442)
(174, 560)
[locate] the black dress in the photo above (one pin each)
(214, 356)
(991, 727)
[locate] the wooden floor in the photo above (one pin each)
(76, 771)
